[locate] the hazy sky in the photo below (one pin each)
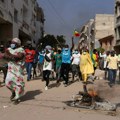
(63, 16)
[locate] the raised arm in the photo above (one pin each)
(72, 43)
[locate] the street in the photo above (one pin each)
(38, 104)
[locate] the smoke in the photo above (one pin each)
(105, 91)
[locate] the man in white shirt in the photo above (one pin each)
(47, 67)
(75, 64)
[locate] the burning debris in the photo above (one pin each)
(90, 99)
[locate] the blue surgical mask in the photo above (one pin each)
(12, 45)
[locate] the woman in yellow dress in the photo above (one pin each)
(86, 65)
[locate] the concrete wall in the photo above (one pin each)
(104, 25)
(26, 19)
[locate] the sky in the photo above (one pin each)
(63, 16)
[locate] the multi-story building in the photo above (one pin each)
(98, 32)
(18, 18)
(87, 35)
(117, 25)
(104, 26)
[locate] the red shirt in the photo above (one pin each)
(29, 55)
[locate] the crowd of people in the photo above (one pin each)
(55, 63)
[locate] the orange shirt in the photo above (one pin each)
(30, 54)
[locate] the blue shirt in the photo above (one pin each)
(66, 56)
(41, 58)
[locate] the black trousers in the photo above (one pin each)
(65, 68)
(46, 75)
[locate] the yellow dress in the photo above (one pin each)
(86, 66)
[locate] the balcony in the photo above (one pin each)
(26, 2)
(25, 25)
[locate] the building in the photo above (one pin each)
(95, 33)
(87, 35)
(18, 18)
(104, 27)
(117, 25)
(107, 43)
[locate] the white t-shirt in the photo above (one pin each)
(104, 56)
(47, 65)
(76, 59)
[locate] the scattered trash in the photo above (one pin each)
(5, 106)
(91, 100)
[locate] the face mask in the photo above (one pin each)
(12, 46)
(84, 53)
(76, 52)
(66, 49)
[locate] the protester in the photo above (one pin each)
(53, 53)
(29, 58)
(112, 65)
(103, 61)
(106, 67)
(5, 66)
(86, 65)
(75, 64)
(40, 62)
(47, 67)
(35, 63)
(94, 58)
(58, 61)
(14, 80)
(66, 61)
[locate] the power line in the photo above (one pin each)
(48, 7)
(57, 13)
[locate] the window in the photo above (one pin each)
(2, 0)
(12, 1)
(15, 15)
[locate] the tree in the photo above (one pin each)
(53, 41)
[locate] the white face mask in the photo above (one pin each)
(66, 49)
(76, 52)
(12, 45)
(84, 53)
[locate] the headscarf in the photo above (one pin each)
(16, 40)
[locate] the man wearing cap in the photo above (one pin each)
(14, 79)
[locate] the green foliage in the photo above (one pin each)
(100, 49)
(51, 40)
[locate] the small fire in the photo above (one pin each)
(92, 92)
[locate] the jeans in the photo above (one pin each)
(29, 66)
(58, 74)
(112, 75)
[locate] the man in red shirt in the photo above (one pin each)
(30, 54)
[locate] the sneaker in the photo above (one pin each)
(16, 102)
(46, 87)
